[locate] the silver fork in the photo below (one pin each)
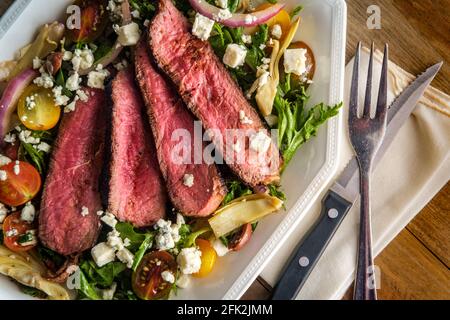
(366, 134)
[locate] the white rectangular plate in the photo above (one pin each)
(323, 28)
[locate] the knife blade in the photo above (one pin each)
(343, 193)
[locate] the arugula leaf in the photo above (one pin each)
(236, 189)
(127, 230)
(296, 11)
(103, 49)
(224, 240)
(60, 80)
(147, 243)
(29, 153)
(146, 8)
(261, 36)
(274, 191)
(32, 291)
(295, 125)
(182, 5)
(87, 290)
(233, 5)
(46, 254)
(190, 240)
(102, 276)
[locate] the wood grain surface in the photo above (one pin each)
(415, 265)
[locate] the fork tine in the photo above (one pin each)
(368, 99)
(353, 108)
(382, 93)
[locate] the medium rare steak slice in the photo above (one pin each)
(167, 114)
(68, 222)
(213, 96)
(136, 189)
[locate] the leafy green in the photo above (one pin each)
(102, 50)
(1, 236)
(87, 290)
(184, 231)
(31, 291)
(224, 240)
(29, 153)
(274, 191)
(102, 276)
(146, 8)
(147, 243)
(233, 5)
(190, 240)
(26, 237)
(296, 11)
(127, 230)
(182, 5)
(60, 80)
(48, 255)
(236, 189)
(296, 124)
(254, 225)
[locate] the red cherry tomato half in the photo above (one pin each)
(15, 230)
(147, 281)
(18, 189)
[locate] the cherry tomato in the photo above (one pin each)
(18, 228)
(209, 257)
(147, 282)
(19, 188)
(310, 60)
(93, 21)
(37, 109)
(282, 18)
(240, 239)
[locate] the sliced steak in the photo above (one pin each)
(167, 114)
(68, 222)
(137, 193)
(212, 95)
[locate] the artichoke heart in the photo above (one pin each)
(23, 268)
(246, 209)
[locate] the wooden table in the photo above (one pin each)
(419, 32)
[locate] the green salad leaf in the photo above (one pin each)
(101, 276)
(136, 238)
(236, 189)
(296, 124)
(27, 152)
(145, 245)
(146, 8)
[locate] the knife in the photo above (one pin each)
(343, 193)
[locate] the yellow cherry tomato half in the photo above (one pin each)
(209, 257)
(282, 18)
(37, 109)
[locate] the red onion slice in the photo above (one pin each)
(236, 19)
(10, 97)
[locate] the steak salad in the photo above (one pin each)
(144, 143)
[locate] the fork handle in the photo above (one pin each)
(365, 288)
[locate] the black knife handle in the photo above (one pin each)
(310, 249)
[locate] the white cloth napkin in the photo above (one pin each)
(413, 170)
